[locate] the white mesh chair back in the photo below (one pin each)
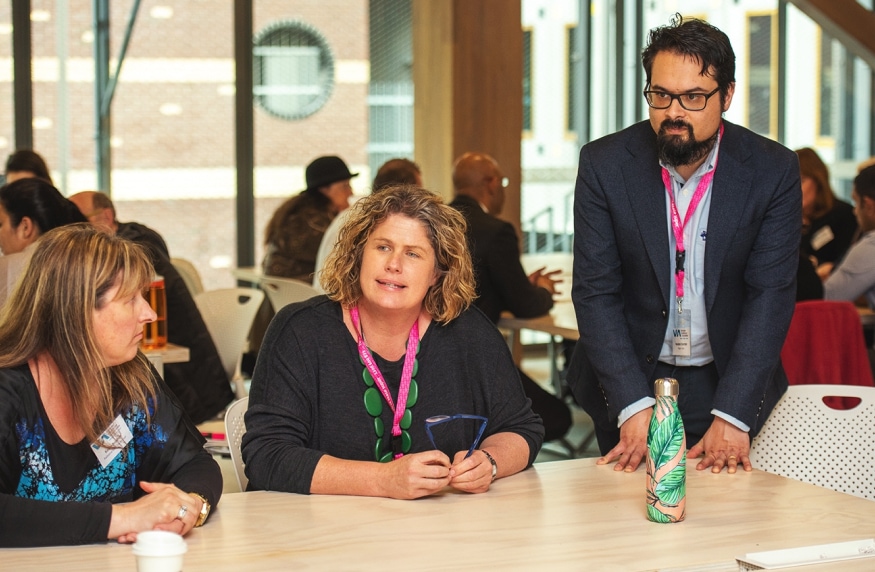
(190, 275)
(235, 427)
(228, 314)
(284, 291)
(806, 440)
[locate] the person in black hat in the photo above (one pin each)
(294, 232)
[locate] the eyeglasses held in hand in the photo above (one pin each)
(439, 419)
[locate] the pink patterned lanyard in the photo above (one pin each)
(678, 228)
(379, 380)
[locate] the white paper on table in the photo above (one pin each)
(787, 558)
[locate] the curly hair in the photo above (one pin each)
(445, 227)
(696, 39)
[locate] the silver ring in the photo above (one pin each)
(182, 510)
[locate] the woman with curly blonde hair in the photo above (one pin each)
(395, 327)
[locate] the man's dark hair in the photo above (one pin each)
(696, 39)
(396, 172)
(864, 182)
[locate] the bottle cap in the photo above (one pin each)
(665, 387)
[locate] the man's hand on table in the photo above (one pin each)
(724, 445)
(632, 448)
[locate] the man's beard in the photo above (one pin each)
(674, 151)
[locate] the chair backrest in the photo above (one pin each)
(228, 314)
(190, 275)
(806, 440)
(825, 344)
(284, 291)
(235, 427)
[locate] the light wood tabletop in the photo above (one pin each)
(560, 515)
(561, 321)
(171, 353)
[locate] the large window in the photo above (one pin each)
(293, 70)
(761, 84)
(826, 82)
(527, 80)
(573, 79)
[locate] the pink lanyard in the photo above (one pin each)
(678, 228)
(406, 371)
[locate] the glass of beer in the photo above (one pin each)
(155, 333)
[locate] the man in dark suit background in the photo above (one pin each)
(650, 305)
(502, 284)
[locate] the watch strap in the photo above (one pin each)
(491, 460)
(205, 509)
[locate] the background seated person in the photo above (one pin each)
(854, 277)
(399, 289)
(71, 373)
(501, 283)
(26, 163)
(200, 384)
(29, 207)
(828, 224)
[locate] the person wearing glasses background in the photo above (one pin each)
(351, 390)
(501, 283)
(685, 255)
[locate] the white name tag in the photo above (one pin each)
(112, 441)
(681, 334)
(822, 237)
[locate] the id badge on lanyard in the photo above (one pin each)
(681, 334)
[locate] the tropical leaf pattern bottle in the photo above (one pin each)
(666, 456)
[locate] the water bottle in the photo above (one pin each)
(155, 333)
(666, 456)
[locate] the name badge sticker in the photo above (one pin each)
(822, 237)
(112, 441)
(681, 334)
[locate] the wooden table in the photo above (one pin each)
(171, 353)
(867, 316)
(561, 321)
(564, 515)
(251, 274)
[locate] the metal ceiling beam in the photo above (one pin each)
(22, 89)
(244, 133)
(104, 86)
(847, 21)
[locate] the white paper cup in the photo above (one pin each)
(159, 551)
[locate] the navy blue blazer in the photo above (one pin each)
(622, 271)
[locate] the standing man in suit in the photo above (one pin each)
(502, 284)
(652, 300)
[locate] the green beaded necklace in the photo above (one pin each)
(374, 407)
(378, 391)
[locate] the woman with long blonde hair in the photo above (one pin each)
(92, 441)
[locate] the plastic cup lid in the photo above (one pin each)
(159, 543)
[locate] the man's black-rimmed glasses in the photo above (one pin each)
(689, 101)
